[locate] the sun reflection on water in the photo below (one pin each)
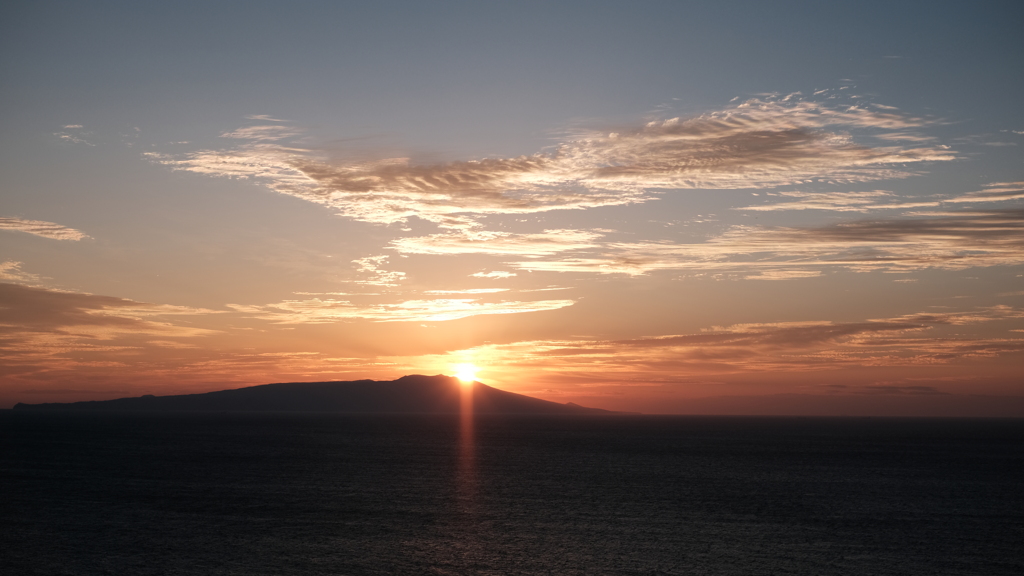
(467, 465)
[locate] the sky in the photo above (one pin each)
(664, 207)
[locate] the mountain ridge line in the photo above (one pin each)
(412, 394)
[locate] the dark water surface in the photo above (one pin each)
(322, 494)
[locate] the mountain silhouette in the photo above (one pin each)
(408, 395)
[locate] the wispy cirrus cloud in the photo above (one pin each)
(994, 192)
(44, 330)
(881, 199)
(910, 340)
(40, 309)
(74, 134)
(264, 118)
(1001, 312)
(839, 202)
(938, 240)
(469, 291)
(269, 132)
(51, 337)
(760, 143)
(500, 243)
(784, 274)
(322, 311)
(11, 271)
(493, 274)
(378, 276)
(42, 228)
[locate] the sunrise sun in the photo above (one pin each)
(466, 373)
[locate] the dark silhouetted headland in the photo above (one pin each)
(407, 395)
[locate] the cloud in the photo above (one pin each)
(761, 143)
(784, 274)
(485, 242)
(263, 118)
(1000, 312)
(11, 272)
(74, 134)
(913, 340)
(904, 137)
(548, 289)
(469, 291)
(262, 133)
(41, 309)
(940, 240)
(495, 274)
(379, 276)
(995, 192)
(318, 311)
(45, 331)
(885, 389)
(838, 202)
(49, 338)
(71, 138)
(41, 228)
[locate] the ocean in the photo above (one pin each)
(252, 494)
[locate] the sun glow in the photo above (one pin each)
(466, 373)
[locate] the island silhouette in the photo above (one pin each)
(414, 394)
